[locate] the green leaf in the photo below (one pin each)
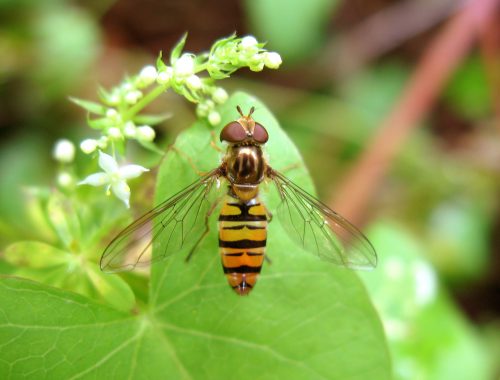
(160, 65)
(177, 50)
(314, 320)
(51, 333)
(92, 107)
(151, 119)
(305, 320)
(64, 220)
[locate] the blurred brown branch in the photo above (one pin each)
(437, 64)
(384, 31)
(490, 51)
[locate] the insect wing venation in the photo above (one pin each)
(320, 230)
(174, 226)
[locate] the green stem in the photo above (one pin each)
(150, 96)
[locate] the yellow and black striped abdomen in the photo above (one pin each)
(242, 242)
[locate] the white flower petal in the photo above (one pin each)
(122, 191)
(107, 163)
(97, 179)
(131, 171)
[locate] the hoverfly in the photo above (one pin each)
(180, 223)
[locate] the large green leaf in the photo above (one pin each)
(305, 319)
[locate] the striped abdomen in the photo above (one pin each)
(242, 242)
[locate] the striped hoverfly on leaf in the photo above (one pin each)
(179, 224)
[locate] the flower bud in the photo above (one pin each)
(219, 95)
(248, 42)
(184, 66)
(129, 129)
(115, 133)
(88, 146)
(147, 75)
(146, 133)
(202, 110)
(214, 118)
(272, 60)
(133, 96)
(64, 151)
(64, 180)
(164, 76)
(194, 82)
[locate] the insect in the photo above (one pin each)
(181, 222)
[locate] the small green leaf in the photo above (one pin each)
(151, 147)
(152, 119)
(177, 50)
(92, 107)
(112, 289)
(64, 220)
(100, 123)
(160, 65)
(34, 254)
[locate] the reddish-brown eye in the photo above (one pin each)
(260, 134)
(233, 133)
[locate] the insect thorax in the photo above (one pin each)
(245, 170)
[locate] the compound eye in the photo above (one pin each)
(260, 134)
(233, 133)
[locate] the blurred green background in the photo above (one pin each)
(433, 217)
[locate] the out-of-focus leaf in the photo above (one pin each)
(151, 119)
(177, 50)
(428, 337)
(64, 220)
(469, 91)
(458, 235)
(35, 254)
(92, 107)
(294, 28)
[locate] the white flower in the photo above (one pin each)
(214, 118)
(272, 60)
(114, 177)
(64, 151)
(219, 95)
(184, 66)
(147, 75)
(88, 145)
(146, 133)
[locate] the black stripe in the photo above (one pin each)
(241, 218)
(241, 254)
(244, 214)
(241, 269)
(245, 243)
(241, 226)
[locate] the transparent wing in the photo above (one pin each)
(175, 226)
(320, 230)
